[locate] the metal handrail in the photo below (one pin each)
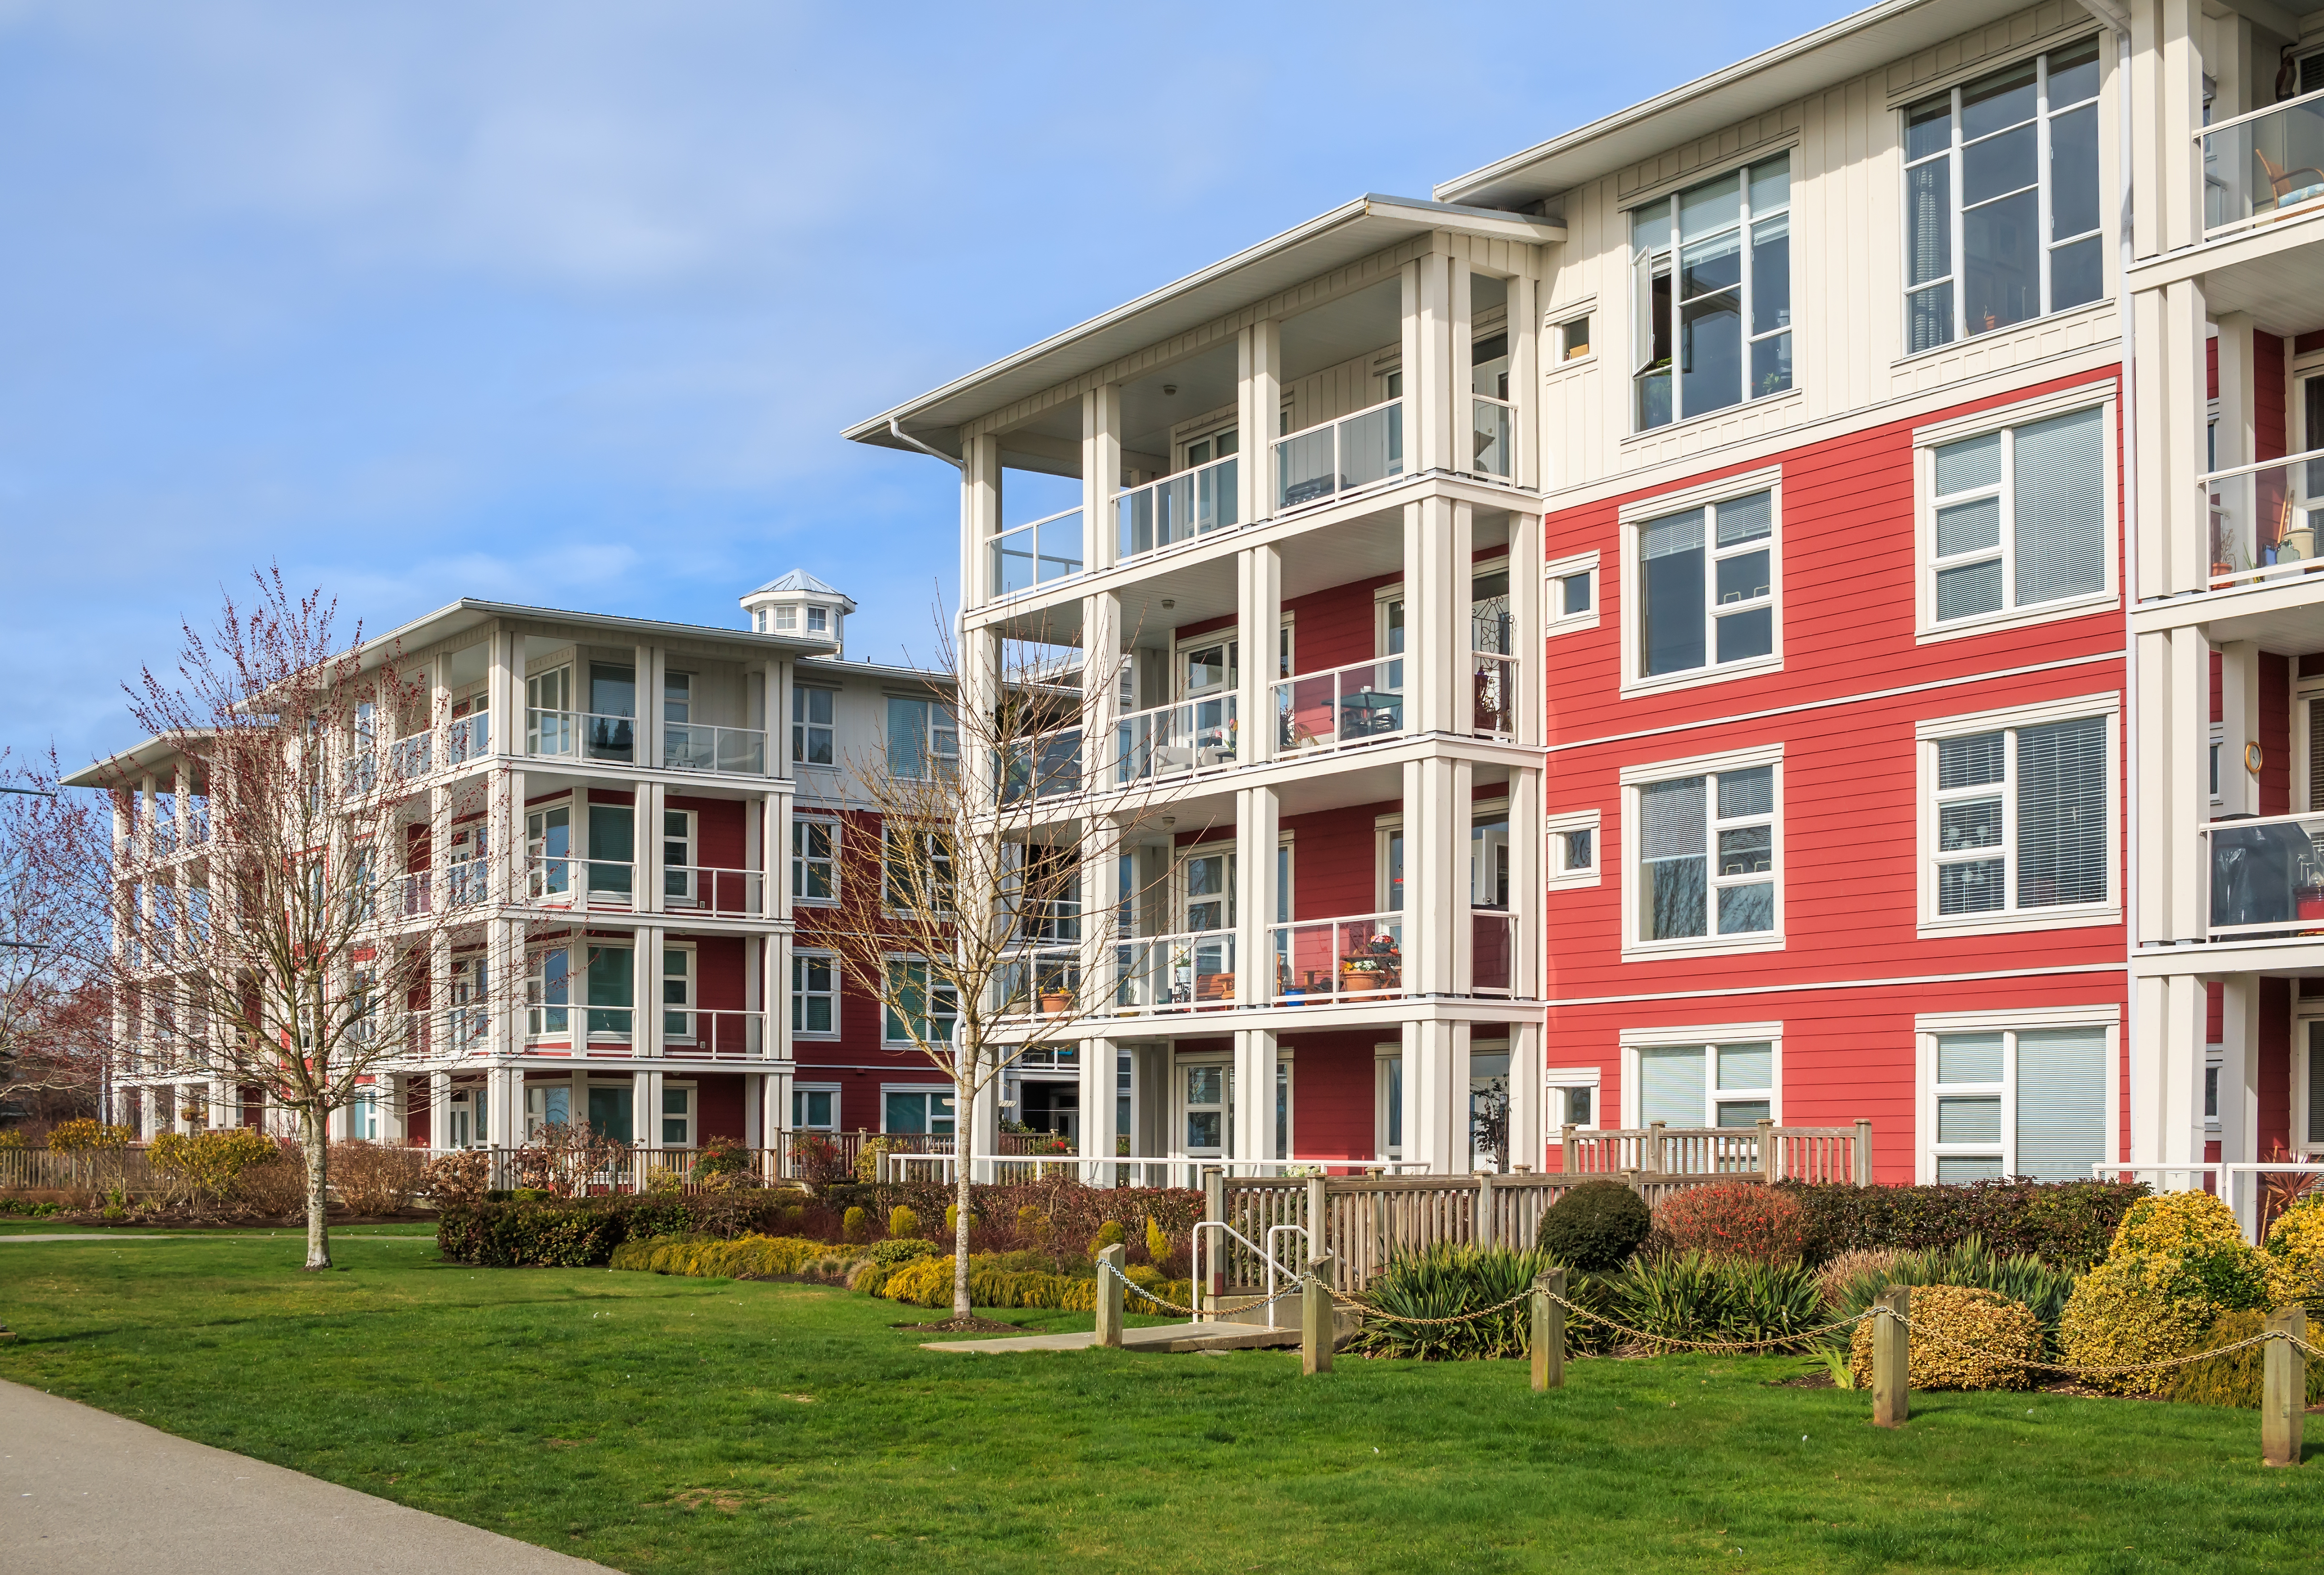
(1194, 1265)
(2215, 127)
(2258, 465)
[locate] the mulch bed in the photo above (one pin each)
(963, 1326)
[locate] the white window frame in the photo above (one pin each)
(691, 985)
(1387, 1068)
(1555, 620)
(803, 730)
(1562, 318)
(1712, 1038)
(1554, 1110)
(800, 860)
(933, 1090)
(1928, 733)
(1636, 778)
(1928, 440)
(933, 988)
(1387, 830)
(797, 996)
(690, 894)
(1634, 519)
(946, 761)
(1180, 1107)
(798, 1122)
(692, 1119)
(1556, 873)
(2305, 1144)
(1745, 289)
(1928, 1025)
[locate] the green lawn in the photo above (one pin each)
(658, 1423)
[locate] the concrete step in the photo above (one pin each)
(1171, 1339)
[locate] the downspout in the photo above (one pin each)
(901, 436)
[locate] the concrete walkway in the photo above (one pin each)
(84, 1492)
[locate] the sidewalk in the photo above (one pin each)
(84, 1492)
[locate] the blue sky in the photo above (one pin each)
(566, 303)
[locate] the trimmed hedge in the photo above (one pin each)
(2066, 1224)
(577, 1232)
(747, 1258)
(928, 1283)
(1073, 1212)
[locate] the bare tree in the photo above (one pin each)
(962, 912)
(53, 1017)
(281, 917)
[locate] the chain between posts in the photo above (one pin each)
(1297, 1288)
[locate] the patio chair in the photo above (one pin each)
(2290, 186)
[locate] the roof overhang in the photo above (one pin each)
(1354, 230)
(148, 759)
(450, 623)
(1850, 47)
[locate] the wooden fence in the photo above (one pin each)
(1763, 1152)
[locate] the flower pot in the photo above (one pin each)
(1055, 1001)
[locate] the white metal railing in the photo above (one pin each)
(698, 746)
(1339, 705)
(2264, 165)
(726, 893)
(1182, 739)
(2266, 518)
(581, 735)
(1216, 1275)
(1155, 1169)
(1045, 766)
(1339, 456)
(1176, 973)
(1033, 554)
(1178, 508)
(1492, 437)
(2228, 1174)
(1359, 954)
(2266, 875)
(564, 880)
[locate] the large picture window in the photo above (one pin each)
(1711, 294)
(815, 861)
(2020, 818)
(2016, 1101)
(814, 994)
(1707, 1085)
(922, 738)
(1707, 856)
(1706, 586)
(811, 725)
(2018, 517)
(922, 1012)
(2001, 199)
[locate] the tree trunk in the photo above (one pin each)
(313, 1138)
(963, 1144)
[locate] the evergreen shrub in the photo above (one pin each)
(1596, 1225)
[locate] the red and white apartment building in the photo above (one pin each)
(1788, 602)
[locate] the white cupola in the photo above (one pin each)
(801, 606)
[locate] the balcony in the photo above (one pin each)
(467, 882)
(2265, 518)
(468, 737)
(2266, 877)
(1046, 766)
(694, 746)
(1353, 705)
(1184, 739)
(1178, 508)
(1360, 955)
(610, 886)
(1025, 556)
(2264, 167)
(688, 1034)
(1189, 972)
(1339, 456)
(687, 746)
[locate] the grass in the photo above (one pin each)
(658, 1423)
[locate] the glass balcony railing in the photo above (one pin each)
(1180, 740)
(699, 889)
(1025, 556)
(1339, 456)
(1178, 508)
(1493, 431)
(2267, 876)
(1043, 980)
(1048, 766)
(2265, 166)
(1180, 972)
(1339, 705)
(1334, 958)
(561, 880)
(469, 738)
(581, 735)
(2266, 518)
(410, 758)
(696, 746)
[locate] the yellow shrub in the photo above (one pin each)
(2235, 1380)
(1157, 1240)
(1962, 1338)
(2132, 1309)
(2295, 1252)
(2175, 1224)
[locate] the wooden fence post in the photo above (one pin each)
(2283, 1388)
(1863, 1155)
(1213, 1284)
(1110, 1261)
(1892, 1360)
(1482, 1227)
(1316, 1318)
(1650, 1152)
(1319, 1215)
(1771, 1163)
(1378, 1262)
(1548, 1331)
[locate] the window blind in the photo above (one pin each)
(1670, 1085)
(2060, 508)
(2061, 796)
(2316, 754)
(1749, 1067)
(2316, 1083)
(1674, 854)
(2060, 1102)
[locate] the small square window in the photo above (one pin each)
(1573, 339)
(1574, 594)
(1580, 854)
(1570, 593)
(1570, 849)
(818, 620)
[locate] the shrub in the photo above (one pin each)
(952, 1221)
(1444, 1282)
(20, 1209)
(2295, 1251)
(2068, 1224)
(2040, 1288)
(2129, 1310)
(902, 1221)
(276, 1188)
(1732, 1220)
(451, 1180)
(815, 1158)
(1692, 1296)
(1962, 1338)
(1597, 1225)
(200, 1167)
(746, 1257)
(867, 1158)
(83, 1133)
(856, 1224)
(2236, 1379)
(578, 1232)
(722, 1163)
(1157, 1240)
(1856, 1263)
(993, 1281)
(1109, 1234)
(905, 1250)
(374, 1178)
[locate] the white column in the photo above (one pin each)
(645, 1098)
(646, 1034)
(1259, 584)
(1436, 1095)
(1258, 824)
(1528, 1122)
(1102, 672)
(1524, 884)
(440, 1111)
(979, 517)
(1429, 383)
(1100, 473)
(2239, 1090)
(504, 1106)
(1436, 862)
(1096, 1081)
(2235, 432)
(1259, 404)
(2239, 726)
(394, 1114)
(1525, 625)
(754, 1111)
(1525, 385)
(646, 729)
(1253, 1137)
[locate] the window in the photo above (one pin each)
(922, 737)
(818, 621)
(677, 1021)
(2001, 199)
(2019, 817)
(1569, 849)
(1571, 598)
(1706, 586)
(1489, 860)
(922, 1012)
(1573, 1097)
(913, 882)
(815, 1107)
(677, 870)
(1719, 290)
(613, 845)
(2016, 1102)
(678, 698)
(1206, 1108)
(1573, 338)
(1707, 855)
(811, 723)
(1207, 891)
(918, 1110)
(548, 993)
(1211, 446)
(1388, 1100)
(363, 1119)
(814, 994)
(815, 861)
(1731, 1081)
(2018, 517)
(676, 1114)
(548, 850)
